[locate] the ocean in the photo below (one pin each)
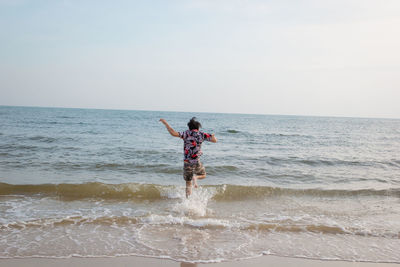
(95, 183)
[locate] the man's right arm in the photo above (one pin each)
(169, 128)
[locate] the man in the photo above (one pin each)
(192, 140)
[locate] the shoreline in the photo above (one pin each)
(266, 260)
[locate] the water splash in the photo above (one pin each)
(196, 204)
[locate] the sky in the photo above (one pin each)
(289, 57)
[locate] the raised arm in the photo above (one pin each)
(169, 128)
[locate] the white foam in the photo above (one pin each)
(196, 204)
(160, 219)
(199, 223)
(177, 227)
(211, 222)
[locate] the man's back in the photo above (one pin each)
(192, 140)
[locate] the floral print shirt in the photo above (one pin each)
(192, 140)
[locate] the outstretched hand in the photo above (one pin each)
(169, 128)
(213, 138)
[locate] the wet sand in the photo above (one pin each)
(153, 262)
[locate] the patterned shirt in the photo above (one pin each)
(192, 140)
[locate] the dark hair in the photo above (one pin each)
(194, 124)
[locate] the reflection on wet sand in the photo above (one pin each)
(188, 264)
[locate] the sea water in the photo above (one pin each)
(91, 183)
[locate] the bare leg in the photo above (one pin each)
(188, 188)
(195, 177)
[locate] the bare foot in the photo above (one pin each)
(195, 182)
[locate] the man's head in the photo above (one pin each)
(193, 124)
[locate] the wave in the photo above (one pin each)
(326, 162)
(66, 117)
(239, 192)
(86, 190)
(44, 139)
(320, 229)
(127, 166)
(288, 135)
(266, 135)
(15, 146)
(75, 220)
(283, 226)
(152, 192)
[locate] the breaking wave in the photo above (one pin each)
(284, 226)
(152, 192)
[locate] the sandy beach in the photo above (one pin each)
(153, 262)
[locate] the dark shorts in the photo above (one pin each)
(190, 169)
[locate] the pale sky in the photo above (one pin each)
(300, 57)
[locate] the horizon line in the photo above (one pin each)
(206, 112)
